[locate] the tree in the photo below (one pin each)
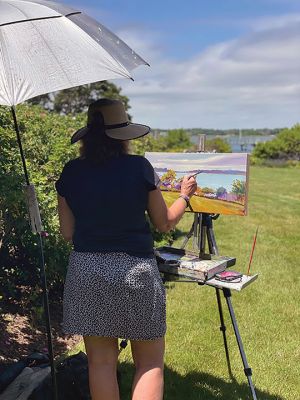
(217, 145)
(207, 190)
(285, 146)
(77, 99)
(168, 178)
(177, 140)
(147, 143)
(239, 188)
(221, 191)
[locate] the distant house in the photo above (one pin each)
(210, 195)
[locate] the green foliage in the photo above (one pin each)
(46, 142)
(239, 189)
(170, 175)
(207, 190)
(218, 145)
(77, 99)
(177, 140)
(286, 146)
(147, 144)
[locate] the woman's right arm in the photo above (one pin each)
(163, 218)
(66, 219)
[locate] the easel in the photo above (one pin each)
(202, 232)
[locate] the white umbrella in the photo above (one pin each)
(45, 47)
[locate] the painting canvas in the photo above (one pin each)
(222, 179)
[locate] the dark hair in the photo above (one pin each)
(97, 147)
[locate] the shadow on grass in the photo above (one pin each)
(195, 386)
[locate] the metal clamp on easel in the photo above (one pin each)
(33, 209)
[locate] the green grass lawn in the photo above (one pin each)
(267, 311)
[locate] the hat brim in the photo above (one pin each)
(129, 132)
(79, 134)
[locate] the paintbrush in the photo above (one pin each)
(252, 251)
(193, 175)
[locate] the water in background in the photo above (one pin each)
(239, 144)
(245, 144)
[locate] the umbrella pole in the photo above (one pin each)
(13, 111)
(42, 271)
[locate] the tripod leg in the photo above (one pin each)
(197, 226)
(47, 319)
(188, 236)
(247, 369)
(212, 244)
(223, 330)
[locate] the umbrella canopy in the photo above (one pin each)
(47, 46)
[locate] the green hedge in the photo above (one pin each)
(284, 147)
(45, 138)
(46, 141)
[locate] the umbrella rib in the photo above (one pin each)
(39, 19)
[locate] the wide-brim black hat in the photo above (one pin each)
(114, 121)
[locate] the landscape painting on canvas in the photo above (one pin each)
(222, 179)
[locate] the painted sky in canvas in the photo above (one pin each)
(195, 161)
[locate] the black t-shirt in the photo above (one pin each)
(109, 202)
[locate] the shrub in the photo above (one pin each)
(218, 145)
(45, 138)
(286, 146)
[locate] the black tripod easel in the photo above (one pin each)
(202, 232)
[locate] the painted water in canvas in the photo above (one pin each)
(222, 179)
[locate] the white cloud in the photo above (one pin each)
(253, 81)
(272, 22)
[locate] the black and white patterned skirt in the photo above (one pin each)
(114, 295)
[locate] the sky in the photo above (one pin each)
(213, 63)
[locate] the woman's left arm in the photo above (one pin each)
(66, 219)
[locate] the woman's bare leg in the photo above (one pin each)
(148, 357)
(102, 356)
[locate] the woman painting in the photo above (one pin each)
(113, 288)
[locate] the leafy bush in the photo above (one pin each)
(45, 138)
(218, 145)
(177, 140)
(286, 146)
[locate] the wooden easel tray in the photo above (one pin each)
(187, 264)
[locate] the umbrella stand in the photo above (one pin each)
(37, 228)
